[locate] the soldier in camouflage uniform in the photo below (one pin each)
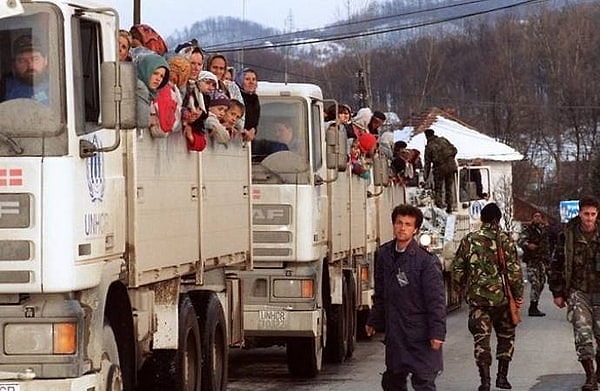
(535, 242)
(440, 153)
(477, 275)
(575, 282)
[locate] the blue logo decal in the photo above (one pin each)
(475, 209)
(95, 172)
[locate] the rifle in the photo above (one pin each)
(515, 316)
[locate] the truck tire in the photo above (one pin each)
(114, 377)
(188, 359)
(215, 347)
(178, 370)
(304, 356)
(351, 316)
(337, 328)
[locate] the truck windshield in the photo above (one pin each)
(280, 151)
(32, 114)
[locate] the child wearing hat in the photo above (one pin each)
(217, 107)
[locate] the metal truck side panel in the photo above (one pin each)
(177, 205)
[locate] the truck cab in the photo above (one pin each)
(316, 230)
(115, 245)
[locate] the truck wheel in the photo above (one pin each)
(337, 328)
(214, 345)
(351, 316)
(177, 370)
(110, 360)
(304, 356)
(188, 359)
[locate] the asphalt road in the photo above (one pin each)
(544, 361)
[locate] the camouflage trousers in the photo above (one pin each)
(585, 319)
(536, 275)
(443, 187)
(481, 322)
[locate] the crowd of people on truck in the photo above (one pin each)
(203, 97)
(176, 94)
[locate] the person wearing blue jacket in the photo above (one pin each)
(409, 306)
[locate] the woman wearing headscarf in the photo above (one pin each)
(152, 74)
(247, 81)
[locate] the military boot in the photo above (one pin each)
(501, 377)
(533, 309)
(591, 383)
(484, 374)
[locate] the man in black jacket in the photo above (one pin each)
(409, 305)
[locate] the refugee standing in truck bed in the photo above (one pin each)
(219, 103)
(124, 45)
(217, 64)
(247, 81)
(153, 74)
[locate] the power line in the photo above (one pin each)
(342, 36)
(350, 23)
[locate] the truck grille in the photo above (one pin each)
(15, 210)
(272, 237)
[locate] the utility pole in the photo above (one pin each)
(361, 92)
(137, 7)
(289, 27)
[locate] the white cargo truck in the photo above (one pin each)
(444, 230)
(116, 248)
(316, 230)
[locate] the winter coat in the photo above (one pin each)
(252, 109)
(411, 313)
(146, 66)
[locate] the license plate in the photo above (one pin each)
(270, 319)
(9, 387)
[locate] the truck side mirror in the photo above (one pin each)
(337, 148)
(118, 95)
(381, 175)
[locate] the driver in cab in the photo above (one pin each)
(29, 77)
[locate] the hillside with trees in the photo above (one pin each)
(527, 76)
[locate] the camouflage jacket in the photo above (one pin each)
(440, 153)
(537, 234)
(574, 266)
(476, 272)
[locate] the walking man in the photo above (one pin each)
(575, 283)
(441, 154)
(478, 274)
(535, 242)
(409, 305)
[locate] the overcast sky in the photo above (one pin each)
(168, 16)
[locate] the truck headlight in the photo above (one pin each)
(425, 240)
(365, 278)
(42, 338)
(299, 288)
